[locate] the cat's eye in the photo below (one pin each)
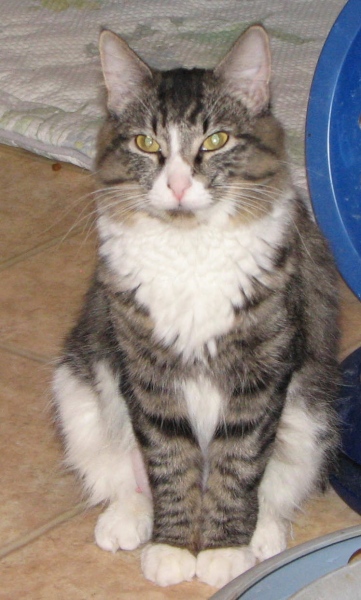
(215, 141)
(147, 144)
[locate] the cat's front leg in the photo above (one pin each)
(110, 465)
(230, 508)
(174, 470)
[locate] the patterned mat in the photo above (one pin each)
(51, 99)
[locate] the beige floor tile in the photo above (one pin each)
(34, 486)
(38, 204)
(321, 515)
(40, 295)
(350, 321)
(65, 563)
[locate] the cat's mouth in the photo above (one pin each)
(179, 217)
(179, 214)
(180, 211)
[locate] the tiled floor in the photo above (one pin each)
(46, 536)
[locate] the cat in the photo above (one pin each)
(195, 393)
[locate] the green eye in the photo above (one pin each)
(215, 141)
(147, 143)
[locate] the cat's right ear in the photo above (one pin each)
(246, 69)
(124, 72)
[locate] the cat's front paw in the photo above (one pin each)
(268, 539)
(167, 565)
(125, 525)
(218, 567)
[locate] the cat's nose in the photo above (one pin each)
(179, 184)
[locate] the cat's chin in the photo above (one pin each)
(181, 213)
(179, 216)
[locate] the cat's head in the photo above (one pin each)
(190, 143)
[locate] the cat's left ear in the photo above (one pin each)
(246, 69)
(124, 72)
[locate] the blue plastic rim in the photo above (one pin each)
(333, 143)
(283, 575)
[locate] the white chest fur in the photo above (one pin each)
(189, 279)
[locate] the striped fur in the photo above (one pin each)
(196, 390)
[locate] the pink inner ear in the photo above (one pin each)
(124, 73)
(246, 69)
(258, 95)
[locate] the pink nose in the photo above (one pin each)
(179, 184)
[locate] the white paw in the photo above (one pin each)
(125, 525)
(167, 565)
(218, 567)
(268, 539)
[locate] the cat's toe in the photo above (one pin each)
(269, 540)
(218, 567)
(125, 525)
(167, 565)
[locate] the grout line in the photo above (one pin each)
(39, 358)
(26, 539)
(28, 253)
(10, 262)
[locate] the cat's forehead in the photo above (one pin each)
(183, 99)
(185, 106)
(179, 140)
(182, 93)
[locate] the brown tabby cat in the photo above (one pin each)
(196, 391)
